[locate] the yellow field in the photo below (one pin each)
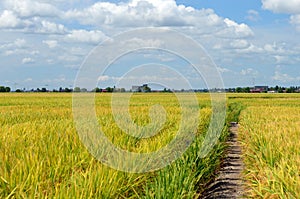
(270, 133)
(42, 156)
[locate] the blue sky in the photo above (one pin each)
(43, 43)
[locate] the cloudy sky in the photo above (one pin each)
(43, 43)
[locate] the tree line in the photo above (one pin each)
(276, 89)
(4, 89)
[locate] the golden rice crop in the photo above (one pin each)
(41, 155)
(270, 133)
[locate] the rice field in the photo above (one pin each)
(270, 135)
(42, 156)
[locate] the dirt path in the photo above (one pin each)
(229, 182)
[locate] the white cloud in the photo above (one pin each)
(240, 44)
(50, 61)
(103, 78)
(249, 71)
(9, 20)
(285, 78)
(134, 13)
(78, 51)
(280, 6)
(295, 20)
(28, 60)
(223, 70)
(84, 36)
(235, 30)
(30, 8)
(18, 43)
(138, 43)
(289, 7)
(275, 48)
(51, 43)
(158, 13)
(253, 15)
(19, 46)
(48, 27)
(69, 58)
(285, 60)
(35, 52)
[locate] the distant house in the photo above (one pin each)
(259, 89)
(136, 89)
(144, 88)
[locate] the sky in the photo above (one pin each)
(44, 43)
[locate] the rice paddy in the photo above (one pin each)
(42, 156)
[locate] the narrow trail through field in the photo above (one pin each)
(229, 183)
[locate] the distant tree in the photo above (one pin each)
(246, 90)
(238, 90)
(97, 90)
(280, 90)
(289, 90)
(109, 89)
(77, 89)
(68, 90)
(123, 90)
(7, 89)
(293, 89)
(167, 90)
(2, 89)
(44, 90)
(19, 91)
(84, 90)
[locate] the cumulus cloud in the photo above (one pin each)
(235, 30)
(50, 43)
(103, 78)
(274, 48)
(30, 8)
(280, 59)
(48, 27)
(240, 44)
(28, 60)
(134, 13)
(280, 6)
(157, 13)
(289, 7)
(84, 36)
(9, 20)
(18, 43)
